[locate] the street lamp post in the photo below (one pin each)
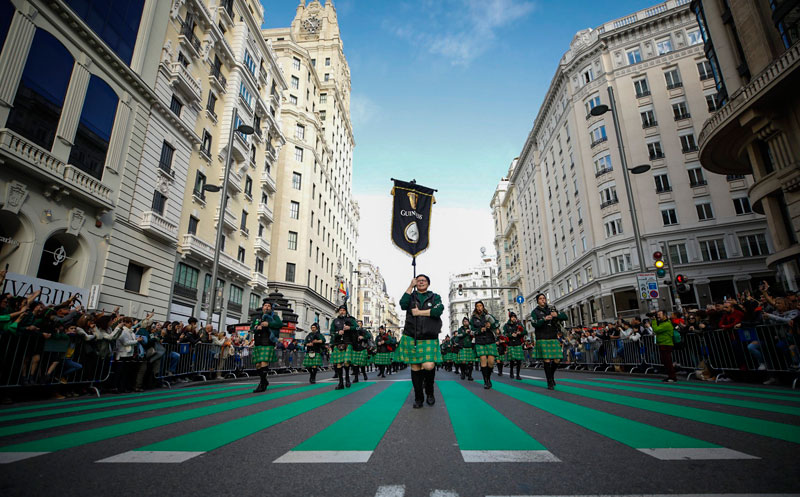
(223, 202)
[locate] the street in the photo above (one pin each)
(596, 434)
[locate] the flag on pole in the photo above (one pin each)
(411, 216)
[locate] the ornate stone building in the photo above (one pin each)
(375, 306)
(461, 304)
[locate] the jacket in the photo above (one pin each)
(510, 328)
(315, 347)
(545, 329)
(349, 336)
(664, 331)
(267, 330)
(422, 327)
(463, 337)
(126, 340)
(482, 328)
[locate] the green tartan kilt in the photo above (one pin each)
(264, 353)
(547, 349)
(466, 355)
(450, 357)
(312, 361)
(515, 353)
(341, 356)
(383, 359)
(487, 350)
(426, 351)
(501, 358)
(359, 358)
(370, 358)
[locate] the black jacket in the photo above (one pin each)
(422, 327)
(546, 329)
(477, 323)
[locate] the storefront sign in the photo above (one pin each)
(9, 241)
(53, 292)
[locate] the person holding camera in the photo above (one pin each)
(515, 331)
(419, 345)
(315, 341)
(547, 323)
(343, 332)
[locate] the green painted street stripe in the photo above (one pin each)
(82, 418)
(339, 442)
(482, 432)
(722, 386)
(76, 439)
(111, 403)
(757, 426)
(761, 406)
(700, 388)
(62, 403)
(216, 436)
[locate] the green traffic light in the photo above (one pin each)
(661, 273)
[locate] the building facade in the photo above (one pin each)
(575, 225)
(461, 303)
(755, 59)
(81, 123)
(507, 241)
(217, 72)
(375, 307)
(315, 233)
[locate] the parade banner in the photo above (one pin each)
(411, 216)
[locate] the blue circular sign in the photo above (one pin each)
(520, 299)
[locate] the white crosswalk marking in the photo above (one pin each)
(391, 491)
(444, 493)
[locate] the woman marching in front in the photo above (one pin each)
(315, 341)
(266, 332)
(482, 325)
(515, 331)
(419, 345)
(466, 349)
(664, 332)
(545, 321)
(342, 335)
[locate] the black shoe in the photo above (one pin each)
(339, 387)
(355, 379)
(312, 381)
(347, 382)
(469, 377)
(551, 385)
(518, 377)
(417, 404)
(463, 375)
(365, 376)
(260, 388)
(430, 400)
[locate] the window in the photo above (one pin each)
(598, 135)
(91, 140)
(714, 102)
(245, 94)
(298, 154)
(294, 210)
(295, 63)
(613, 226)
(680, 110)
(248, 186)
(243, 223)
(753, 245)
(159, 202)
(602, 165)
(663, 46)
(619, 263)
(292, 240)
(589, 273)
(742, 206)
(236, 123)
(323, 98)
(694, 37)
(290, 269)
(240, 254)
(704, 210)
(255, 299)
(662, 183)
(212, 103)
(608, 195)
(327, 61)
(677, 253)
(591, 104)
(648, 118)
(175, 106)
(673, 79)
(295, 83)
(687, 143)
(654, 150)
(634, 55)
(116, 23)
(292, 99)
(696, 177)
(297, 179)
(192, 230)
(165, 161)
(206, 146)
(313, 62)
(322, 115)
(134, 276)
(587, 75)
(704, 69)
(641, 87)
(186, 276)
(249, 62)
(327, 77)
(235, 295)
(199, 183)
(260, 230)
(713, 250)
(300, 132)
(669, 216)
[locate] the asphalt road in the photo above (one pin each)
(596, 434)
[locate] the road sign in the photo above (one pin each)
(648, 286)
(520, 299)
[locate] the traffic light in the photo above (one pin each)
(659, 263)
(683, 283)
(461, 289)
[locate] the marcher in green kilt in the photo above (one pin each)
(502, 349)
(382, 359)
(361, 341)
(515, 332)
(383, 346)
(483, 325)
(419, 345)
(315, 341)
(343, 335)
(465, 349)
(266, 331)
(547, 323)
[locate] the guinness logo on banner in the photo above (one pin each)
(411, 216)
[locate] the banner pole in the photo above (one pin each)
(414, 264)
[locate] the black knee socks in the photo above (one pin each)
(418, 379)
(429, 376)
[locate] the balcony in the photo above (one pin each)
(184, 291)
(184, 82)
(156, 226)
(689, 149)
(258, 280)
(599, 141)
(225, 10)
(602, 172)
(193, 246)
(695, 184)
(235, 267)
(663, 189)
(265, 213)
(268, 182)
(262, 245)
(241, 152)
(229, 222)
(682, 116)
(642, 94)
(656, 155)
(271, 152)
(234, 179)
(649, 124)
(676, 84)
(32, 159)
(189, 40)
(217, 80)
(275, 99)
(609, 203)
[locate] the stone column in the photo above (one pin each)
(119, 135)
(73, 105)
(14, 55)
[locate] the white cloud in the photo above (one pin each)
(362, 109)
(456, 237)
(462, 30)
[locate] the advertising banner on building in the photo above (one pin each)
(53, 292)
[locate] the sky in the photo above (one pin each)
(446, 92)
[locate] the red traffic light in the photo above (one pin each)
(681, 279)
(657, 254)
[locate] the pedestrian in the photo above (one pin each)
(419, 345)
(664, 331)
(343, 328)
(466, 349)
(266, 334)
(547, 323)
(315, 341)
(515, 331)
(483, 325)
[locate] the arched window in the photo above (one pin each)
(58, 257)
(6, 14)
(94, 129)
(40, 96)
(116, 22)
